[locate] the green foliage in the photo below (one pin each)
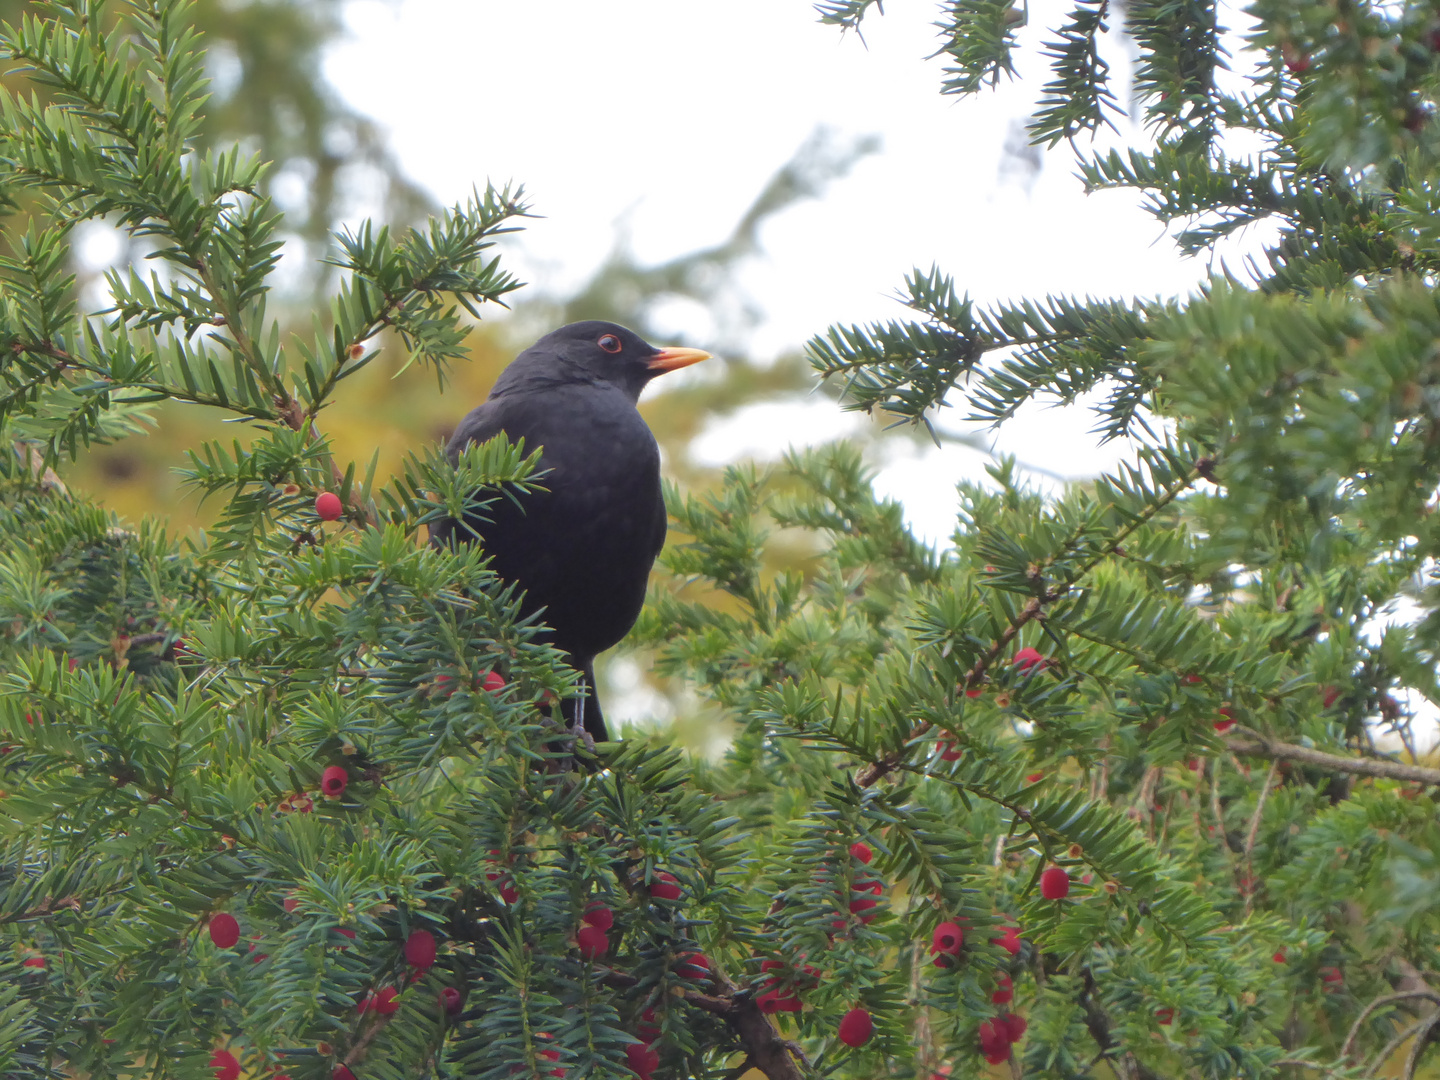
(1163, 681)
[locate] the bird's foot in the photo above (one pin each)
(583, 737)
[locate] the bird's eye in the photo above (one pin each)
(610, 343)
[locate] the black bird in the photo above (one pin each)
(583, 548)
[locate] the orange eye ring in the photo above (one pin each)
(610, 343)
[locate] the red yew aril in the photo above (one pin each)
(1165, 1016)
(224, 930)
(974, 691)
(948, 938)
(1329, 695)
(863, 903)
(385, 1002)
(642, 1059)
(648, 1030)
(772, 1001)
(333, 781)
(862, 852)
(492, 682)
(225, 1064)
(598, 915)
(420, 949)
(451, 1000)
(1013, 1026)
(664, 886)
(694, 966)
(341, 1072)
(33, 962)
(592, 942)
(949, 751)
(1222, 726)
(1009, 940)
(1334, 981)
(856, 1027)
(1034, 778)
(1028, 661)
(445, 684)
(1055, 883)
(994, 1040)
(328, 506)
(1004, 993)
(509, 893)
(1279, 956)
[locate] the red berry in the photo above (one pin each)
(1034, 778)
(451, 1000)
(1298, 64)
(647, 1028)
(974, 691)
(1005, 992)
(1055, 883)
(1012, 1026)
(1332, 979)
(1028, 661)
(492, 682)
(1225, 725)
(33, 962)
(1191, 680)
(772, 1001)
(949, 751)
(1279, 956)
(1329, 695)
(420, 949)
(592, 942)
(385, 1002)
(598, 915)
(863, 903)
(225, 1064)
(224, 930)
(328, 506)
(948, 938)
(333, 781)
(856, 1027)
(664, 886)
(642, 1059)
(694, 966)
(445, 684)
(994, 1039)
(341, 1072)
(1009, 941)
(509, 893)
(291, 903)
(996, 1057)
(1165, 1016)
(344, 931)
(862, 852)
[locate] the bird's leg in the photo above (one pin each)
(578, 727)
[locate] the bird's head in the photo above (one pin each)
(599, 351)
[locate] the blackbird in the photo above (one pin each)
(581, 549)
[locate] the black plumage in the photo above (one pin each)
(582, 549)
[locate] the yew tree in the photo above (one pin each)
(1127, 782)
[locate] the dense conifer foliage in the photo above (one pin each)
(1123, 783)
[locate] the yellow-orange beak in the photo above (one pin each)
(670, 359)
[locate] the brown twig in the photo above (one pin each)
(1254, 744)
(1385, 999)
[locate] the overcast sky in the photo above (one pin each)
(670, 115)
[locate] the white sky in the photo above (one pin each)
(670, 115)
